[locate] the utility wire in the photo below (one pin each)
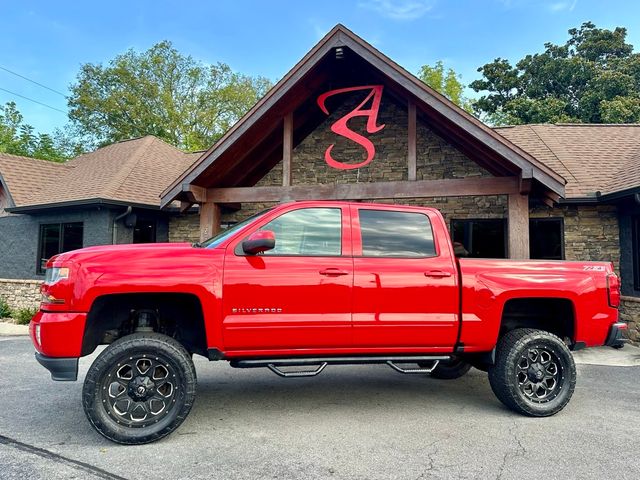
(32, 100)
(32, 81)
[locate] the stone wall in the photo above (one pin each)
(184, 228)
(591, 232)
(630, 313)
(20, 293)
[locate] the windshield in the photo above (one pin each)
(223, 235)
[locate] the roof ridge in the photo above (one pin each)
(129, 164)
(150, 141)
(552, 151)
(38, 160)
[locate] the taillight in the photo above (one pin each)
(613, 289)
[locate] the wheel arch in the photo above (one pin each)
(551, 314)
(178, 315)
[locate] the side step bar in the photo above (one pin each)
(275, 364)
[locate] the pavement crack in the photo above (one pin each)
(76, 464)
(511, 454)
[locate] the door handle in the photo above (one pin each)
(333, 272)
(437, 274)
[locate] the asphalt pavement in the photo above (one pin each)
(351, 422)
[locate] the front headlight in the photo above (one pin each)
(55, 274)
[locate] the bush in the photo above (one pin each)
(24, 315)
(5, 310)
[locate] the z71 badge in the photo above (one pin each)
(594, 268)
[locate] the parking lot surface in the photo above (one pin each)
(352, 422)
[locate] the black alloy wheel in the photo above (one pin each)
(140, 388)
(534, 374)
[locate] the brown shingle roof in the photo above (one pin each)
(26, 176)
(132, 171)
(591, 157)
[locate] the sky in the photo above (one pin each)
(47, 41)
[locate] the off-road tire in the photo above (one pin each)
(170, 382)
(525, 355)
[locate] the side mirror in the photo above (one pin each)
(259, 242)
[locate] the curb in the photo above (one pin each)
(628, 356)
(13, 329)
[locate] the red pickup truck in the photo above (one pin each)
(305, 285)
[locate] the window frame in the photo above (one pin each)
(484, 220)
(635, 251)
(40, 269)
(549, 219)
(356, 225)
(343, 215)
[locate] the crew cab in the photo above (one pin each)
(305, 285)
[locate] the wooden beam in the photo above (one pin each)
(518, 226)
(194, 193)
(287, 149)
(525, 185)
(209, 220)
(362, 191)
(412, 142)
(184, 206)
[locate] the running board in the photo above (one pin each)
(275, 364)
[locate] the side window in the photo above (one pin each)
(307, 232)
(396, 234)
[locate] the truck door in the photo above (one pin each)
(297, 295)
(405, 291)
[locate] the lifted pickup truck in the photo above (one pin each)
(310, 284)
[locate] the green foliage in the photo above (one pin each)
(5, 310)
(447, 83)
(160, 92)
(593, 78)
(19, 138)
(24, 315)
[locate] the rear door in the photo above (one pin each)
(298, 295)
(405, 293)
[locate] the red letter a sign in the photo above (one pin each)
(340, 126)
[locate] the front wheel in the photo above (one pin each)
(534, 373)
(139, 389)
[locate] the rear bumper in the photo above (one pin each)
(616, 338)
(62, 369)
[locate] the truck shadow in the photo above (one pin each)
(242, 394)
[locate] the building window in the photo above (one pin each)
(480, 238)
(57, 238)
(144, 231)
(635, 247)
(396, 234)
(546, 238)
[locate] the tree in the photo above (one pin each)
(447, 83)
(163, 93)
(593, 78)
(19, 138)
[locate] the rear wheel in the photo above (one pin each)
(140, 388)
(534, 372)
(450, 369)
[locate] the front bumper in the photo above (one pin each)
(616, 338)
(62, 369)
(58, 334)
